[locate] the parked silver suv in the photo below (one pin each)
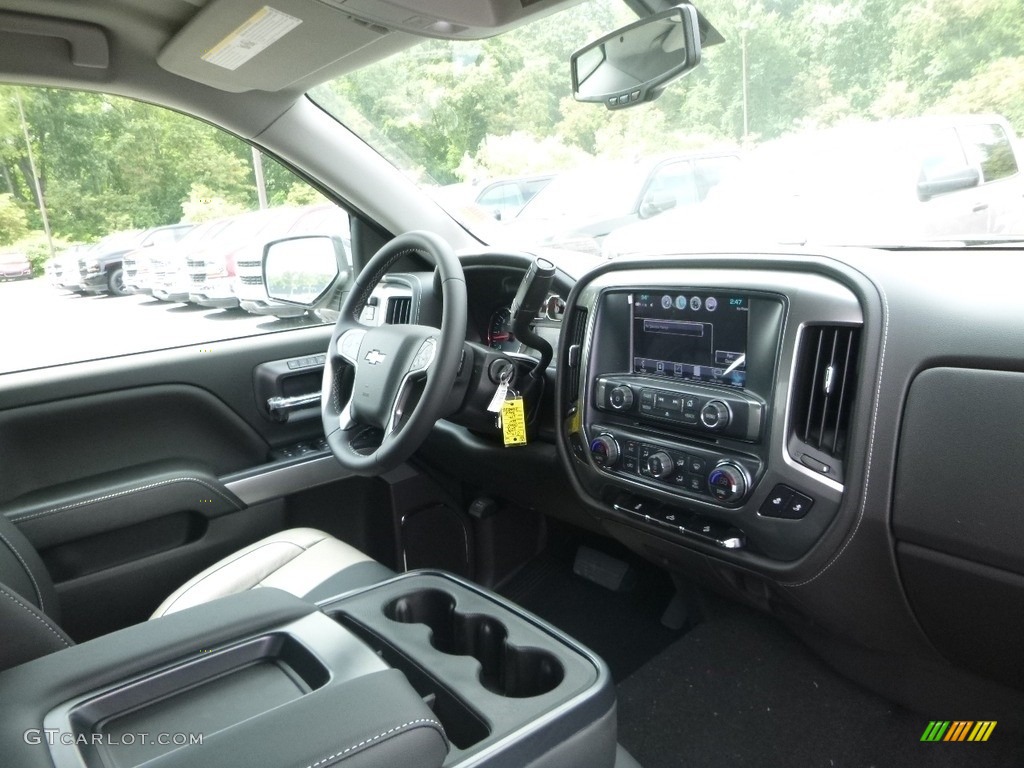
(579, 208)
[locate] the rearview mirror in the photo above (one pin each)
(300, 270)
(635, 64)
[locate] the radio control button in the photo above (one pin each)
(691, 403)
(667, 401)
(716, 415)
(647, 396)
(691, 418)
(620, 398)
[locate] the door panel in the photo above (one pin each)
(106, 502)
(223, 369)
(84, 438)
(96, 603)
(115, 469)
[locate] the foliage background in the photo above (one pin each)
(467, 111)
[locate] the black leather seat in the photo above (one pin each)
(303, 561)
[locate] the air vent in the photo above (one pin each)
(577, 329)
(399, 310)
(824, 389)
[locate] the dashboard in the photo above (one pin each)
(799, 430)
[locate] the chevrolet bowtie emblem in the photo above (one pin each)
(375, 356)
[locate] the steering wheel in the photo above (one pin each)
(383, 421)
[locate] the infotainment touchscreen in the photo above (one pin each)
(695, 335)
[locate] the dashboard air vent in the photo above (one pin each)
(576, 330)
(399, 310)
(824, 388)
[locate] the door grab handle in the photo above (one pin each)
(280, 407)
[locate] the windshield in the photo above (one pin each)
(854, 123)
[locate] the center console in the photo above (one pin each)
(421, 670)
(699, 406)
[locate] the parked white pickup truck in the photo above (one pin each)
(886, 183)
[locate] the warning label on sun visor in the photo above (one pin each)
(265, 27)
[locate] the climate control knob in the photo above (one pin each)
(620, 398)
(660, 464)
(728, 482)
(604, 450)
(716, 414)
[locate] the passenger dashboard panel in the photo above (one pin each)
(687, 397)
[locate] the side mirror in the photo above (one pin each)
(300, 270)
(655, 203)
(950, 182)
(635, 64)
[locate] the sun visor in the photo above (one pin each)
(270, 45)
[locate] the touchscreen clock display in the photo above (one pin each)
(694, 335)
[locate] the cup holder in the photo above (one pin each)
(504, 669)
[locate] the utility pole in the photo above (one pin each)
(744, 28)
(261, 185)
(35, 173)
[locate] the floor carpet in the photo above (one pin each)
(735, 690)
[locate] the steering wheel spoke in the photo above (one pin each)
(346, 345)
(413, 382)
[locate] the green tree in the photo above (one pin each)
(13, 221)
(519, 154)
(204, 204)
(997, 87)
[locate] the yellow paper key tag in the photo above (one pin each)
(513, 422)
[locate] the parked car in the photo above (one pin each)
(327, 219)
(62, 269)
(144, 268)
(581, 207)
(878, 183)
(213, 271)
(172, 278)
(137, 266)
(14, 265)
(101, 270)
(505, 198)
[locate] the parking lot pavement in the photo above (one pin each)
(41, 325)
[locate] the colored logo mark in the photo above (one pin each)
(958, 730)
